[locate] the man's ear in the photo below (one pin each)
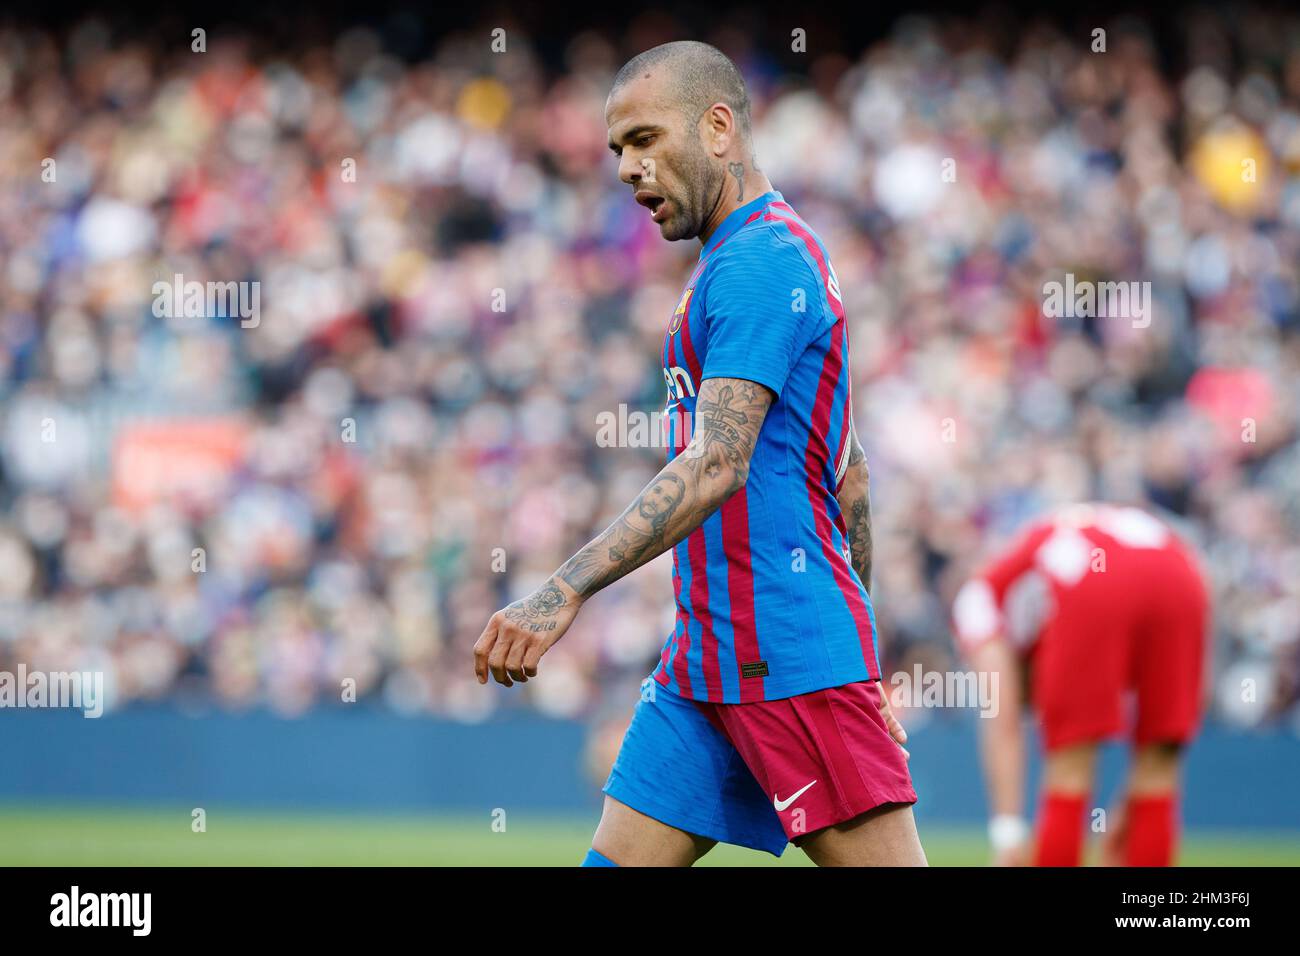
(721, 127)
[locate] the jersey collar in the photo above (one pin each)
(738, 218)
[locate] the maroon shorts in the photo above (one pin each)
(821, 758)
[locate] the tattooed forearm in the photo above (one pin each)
(738, 170)
(855, 503)
(728, 415)
(636, 537)
(859, 524)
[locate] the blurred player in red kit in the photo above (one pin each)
(1098, 615)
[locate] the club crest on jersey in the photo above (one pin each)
(680, 314)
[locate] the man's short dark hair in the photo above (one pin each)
(700, 75)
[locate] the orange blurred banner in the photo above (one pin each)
(176, 460)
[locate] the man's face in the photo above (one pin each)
(661, 156)
(658, 503)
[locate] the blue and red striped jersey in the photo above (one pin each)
(768, 603)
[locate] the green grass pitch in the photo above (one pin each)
(162, 837)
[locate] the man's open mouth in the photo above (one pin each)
(655, 203)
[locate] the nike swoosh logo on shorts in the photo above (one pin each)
(782, 804)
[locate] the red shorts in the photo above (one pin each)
(1125, 650)
(821, 758)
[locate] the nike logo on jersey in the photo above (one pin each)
(782, 804)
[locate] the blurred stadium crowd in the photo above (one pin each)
(454, 286)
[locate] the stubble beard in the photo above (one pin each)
(703, 183)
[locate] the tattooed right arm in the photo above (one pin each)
(728, 415)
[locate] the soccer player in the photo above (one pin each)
(765, 722)
(1088, 608)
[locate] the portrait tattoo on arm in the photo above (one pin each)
(729, 413)
(629, 542)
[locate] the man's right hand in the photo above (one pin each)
(511, 646)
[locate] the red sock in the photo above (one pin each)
(1152, 830)
(1060, 830)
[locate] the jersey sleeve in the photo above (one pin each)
(978, 612)
(763, 307)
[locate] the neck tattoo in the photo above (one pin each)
(738, 170)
